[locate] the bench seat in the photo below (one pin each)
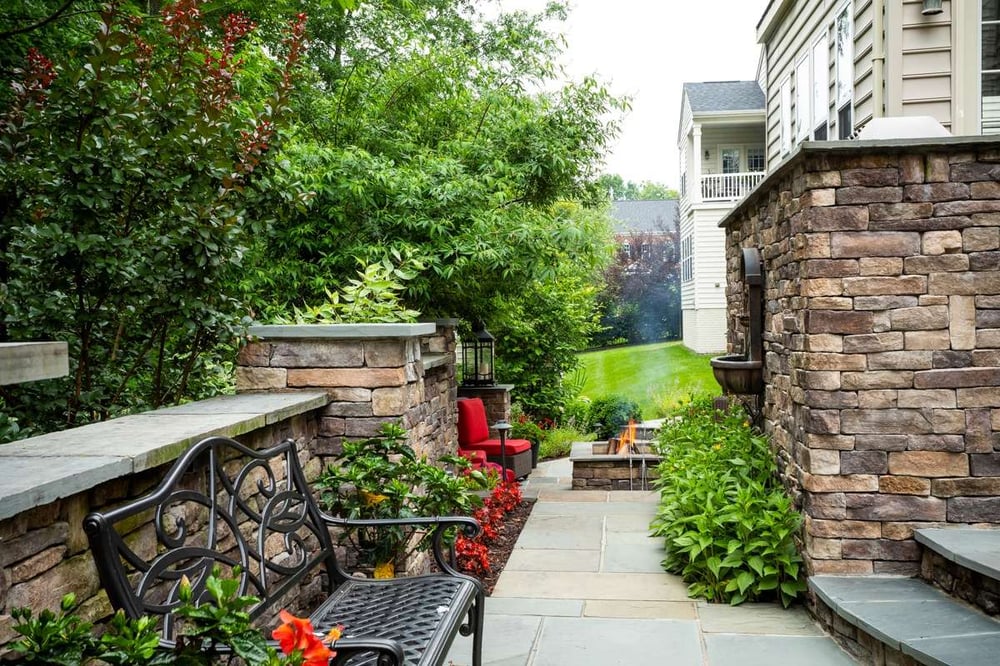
(225, 505)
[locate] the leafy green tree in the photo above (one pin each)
(540, 329)
(618, 189)
(127, 180)
(641, 297)
(439, 153)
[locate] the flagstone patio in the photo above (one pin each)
(584, 587)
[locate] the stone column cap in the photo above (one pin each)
(339, 331)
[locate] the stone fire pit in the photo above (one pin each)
(597, 468)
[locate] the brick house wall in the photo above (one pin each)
(881, 339)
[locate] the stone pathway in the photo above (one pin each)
(584, 587)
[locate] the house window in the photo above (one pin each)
(786, 116)
(990, 72)
(844, 31)
(756, 160)
(626, 250)
(730, 160)
(820, 88)
(803, 91)
(687, 263)
(646, 251)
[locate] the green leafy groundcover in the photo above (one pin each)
(728, 524)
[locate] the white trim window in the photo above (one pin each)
(802, 94)
(687, 258)
(756, 159)
(844, 44)
(820, 88)
(990, 67)
(786, 116)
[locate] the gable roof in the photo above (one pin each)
(711, 96)
(646, 216)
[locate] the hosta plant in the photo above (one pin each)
(728, 525)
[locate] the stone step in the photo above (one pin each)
(975, 549)
(964, 562)
(907, 616)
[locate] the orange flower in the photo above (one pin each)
(296, 635)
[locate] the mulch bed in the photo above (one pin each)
(503, 545)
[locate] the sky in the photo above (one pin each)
(648, 49)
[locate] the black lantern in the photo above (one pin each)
(477, 358)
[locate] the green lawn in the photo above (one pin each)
(656, 376)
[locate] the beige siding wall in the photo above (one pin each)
(919, 61)
(905, 63)
(799, 29)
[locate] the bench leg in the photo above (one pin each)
(477, 615)
(475, 627)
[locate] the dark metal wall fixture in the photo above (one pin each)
(743, 374)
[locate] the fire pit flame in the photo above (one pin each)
(626, 444)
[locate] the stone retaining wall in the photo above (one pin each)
(44, 552)
(372, 373)
(317, 390)
(881, 340)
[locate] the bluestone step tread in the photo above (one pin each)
(911, 616)
(975, 549)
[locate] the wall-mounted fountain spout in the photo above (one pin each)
(744, 373)
(755, 285)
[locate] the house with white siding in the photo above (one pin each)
(831, 66)
(722, 157)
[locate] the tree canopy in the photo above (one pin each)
(618, 189)
(173, 169)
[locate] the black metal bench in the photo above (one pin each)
(224, 504)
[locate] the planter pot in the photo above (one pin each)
(739, 375)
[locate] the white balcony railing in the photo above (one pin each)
(728, 186)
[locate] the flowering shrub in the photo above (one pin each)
(473, 556)
(507, 496)
(222, 620)
(134, 162)
(382, 477)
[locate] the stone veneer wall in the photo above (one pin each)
(44, 552)
(373, 373)
(882, 340)
(49, 483)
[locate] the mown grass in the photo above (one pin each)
(657, 376)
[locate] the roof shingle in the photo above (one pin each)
(724, 96)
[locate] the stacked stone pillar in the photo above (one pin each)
(882, 340)
(372, 373)
(496, 400)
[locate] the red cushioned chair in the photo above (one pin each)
(474, 433)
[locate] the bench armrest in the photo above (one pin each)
(390, 652)
(469, 526)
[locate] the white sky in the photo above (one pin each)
(648, 49)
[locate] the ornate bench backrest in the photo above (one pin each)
(221, 504)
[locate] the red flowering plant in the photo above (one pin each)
(473, 554)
